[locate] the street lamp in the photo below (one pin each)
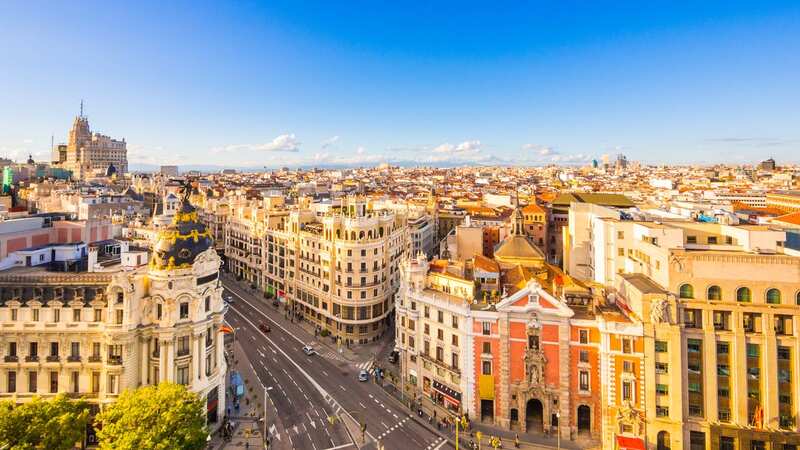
(264, 418)
(558, 434)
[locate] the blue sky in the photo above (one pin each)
(275, 83)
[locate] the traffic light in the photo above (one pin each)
(363, 427)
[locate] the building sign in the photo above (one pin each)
(449, 394)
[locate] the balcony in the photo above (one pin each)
(11, 358)
(115, 360)
(95, 359)
(183, 352)
(32, 358)
(53, 358)
(74, 358)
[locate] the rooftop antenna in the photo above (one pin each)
(81, 108)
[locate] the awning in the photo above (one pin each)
(486, 387)
(629, 443)
(450, 394)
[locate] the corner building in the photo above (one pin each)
(95, 334)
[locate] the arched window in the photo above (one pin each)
(774, 296)
(662, 441)
(338, 234)
(380, 231)
(797, 298)
(686, 291)
(743, 294)
(352, 235)
(361, 234)
(714, 293)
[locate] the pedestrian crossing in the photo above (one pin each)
(367, 365)
(335, 356)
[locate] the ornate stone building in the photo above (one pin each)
(95, 334)
(90, 154)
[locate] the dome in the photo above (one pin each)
(178, 244)
(111, 170)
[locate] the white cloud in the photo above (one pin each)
(27, 141)
(464, 147)
(283, 143)
(540, 150)
(329, 142)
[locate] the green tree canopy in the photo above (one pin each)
(163, 417)
(58, 423)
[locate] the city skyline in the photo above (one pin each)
(285, 85)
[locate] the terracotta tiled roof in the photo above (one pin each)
(487, 265)
(791, 219)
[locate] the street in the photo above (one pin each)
(310, 396)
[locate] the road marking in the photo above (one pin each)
(440, 445)
(325, 373)
(340, 446)
(362, 405)
(311, 380)
(342, 387)
(395, 416)
(313, 424)
(384, 425)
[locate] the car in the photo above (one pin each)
(309, 350)
(363, 375)
(229, 300)
(276, 303)
(393, 356)
(264, 327)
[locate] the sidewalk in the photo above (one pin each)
(527, 440)
(248, 428)
(355, 354)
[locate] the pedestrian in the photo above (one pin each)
(516, 440)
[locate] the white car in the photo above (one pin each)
(363, 376)
(309, 350)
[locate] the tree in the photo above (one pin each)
(164, 417)
(58, 423)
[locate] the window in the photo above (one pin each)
(686, 291)
(697, 440)
(208, 303)
(455, 321)
(183, 345)
(627, 366)
(427, 329)
(96, 349)
(53, 382)
(13, 313)
(627, 345)
(486, 368)
(693, 345)
(98, 315)
(662, 389)
(584, 380)
(56, 315)
(583, 336)
(36, 315)
(112, 384)
(183, 375)
(12, 349)
(722, 348)
(12, 381)
(76, 315)
(752, 350)
(583, 356)
(487, 328)
(714, 293)
(620, 235)
(33, 350)
(75, 349)
(426, 311)
(691, 239)
(440, 334)
(773, 296)
(440, 317)
(159, 311)
(662, 367)
(621, 251)
(743, 294)
(33, 378)
(454, 340)
(487, 348)
(454, 360)
(54, 349)
(184, 310)
(74, 381)
(627, 390)
(661, 346)
(726, 443)
(119, 314)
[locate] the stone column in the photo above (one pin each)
(769, 373)
(144, 370)
(738, 363)
(170, 368)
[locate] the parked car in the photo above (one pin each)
(363, 375)
(264, 327)
(393, 357)
(309, 350)
(229, 300)
(276, 303)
